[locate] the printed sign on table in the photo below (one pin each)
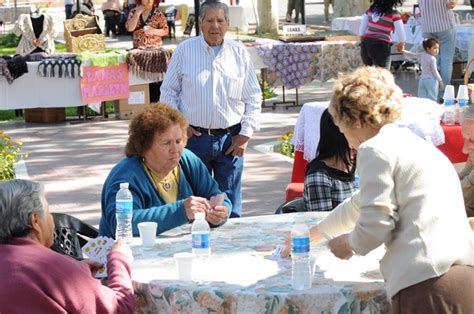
(104, 83)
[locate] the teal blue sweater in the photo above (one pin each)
(147, 203)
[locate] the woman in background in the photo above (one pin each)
(147, 23)
(329, 178)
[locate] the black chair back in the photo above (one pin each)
(293, 206)
(70, 234)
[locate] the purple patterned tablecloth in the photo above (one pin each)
(295, 64)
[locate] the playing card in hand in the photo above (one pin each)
(217, 200)
(96, 250)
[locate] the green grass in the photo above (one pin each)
(12, 50)
(9, 115)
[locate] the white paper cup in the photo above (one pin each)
(184, 265)
(462, 92)
(148, 233)
(449, 92)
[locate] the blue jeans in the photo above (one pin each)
(447, 46)
(226, 169)
(428, 88)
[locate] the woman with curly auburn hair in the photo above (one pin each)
(410, 200)
(168, 182)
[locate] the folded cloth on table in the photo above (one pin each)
(103, 59)
(422, 116)
(13, 67)
(149, 63)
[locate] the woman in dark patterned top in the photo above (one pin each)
(329, 177)
(147, 23)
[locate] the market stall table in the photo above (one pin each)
(245, 279)
(33, 91)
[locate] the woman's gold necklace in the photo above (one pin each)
(166, 183)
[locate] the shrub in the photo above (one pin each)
(9, 155)
(286, 148)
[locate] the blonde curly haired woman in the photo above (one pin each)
(410, 200)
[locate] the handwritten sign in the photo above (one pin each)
(104, 83)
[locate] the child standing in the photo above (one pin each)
(430, 80)
(376, 28)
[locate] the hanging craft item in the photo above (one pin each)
(149, 63)
(60, 67)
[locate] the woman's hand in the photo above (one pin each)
(217, 215)
(315, 236)
(287, 249)
(196, 204)
(120, 246)
(340, 247)
(93, 266)
(140, 9)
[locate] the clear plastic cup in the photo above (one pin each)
(148, 233)
(449, 92)
(462, 92)
(184, 265)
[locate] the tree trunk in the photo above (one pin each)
(268, 16)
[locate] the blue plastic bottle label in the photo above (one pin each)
(201, 241)
(300, 245)
(123, 207)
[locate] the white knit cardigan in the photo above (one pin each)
(24, 28)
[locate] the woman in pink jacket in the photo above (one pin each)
(36, 279)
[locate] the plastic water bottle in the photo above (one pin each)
(201, 244)
(301, 270)
(449, 107)
(356, 182)
(463, 99)
(123, 213)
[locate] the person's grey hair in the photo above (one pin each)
(213, 4)
(19, 199)
(468, 114)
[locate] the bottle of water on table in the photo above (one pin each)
(201, 244)
(463, 99)
(301, 268)
(449, 106)
(124, 213)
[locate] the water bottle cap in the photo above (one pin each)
(199, 215)
(124, 185)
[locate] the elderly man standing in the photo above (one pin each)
(438, 22)
(467, 174)
(212, 81)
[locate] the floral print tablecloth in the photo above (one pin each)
(295, 64)
(244, 277)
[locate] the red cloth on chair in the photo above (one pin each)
(299, 168)
(453, 142)
(295, 188)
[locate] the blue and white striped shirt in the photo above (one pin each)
(436, 17)
(213, 91)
